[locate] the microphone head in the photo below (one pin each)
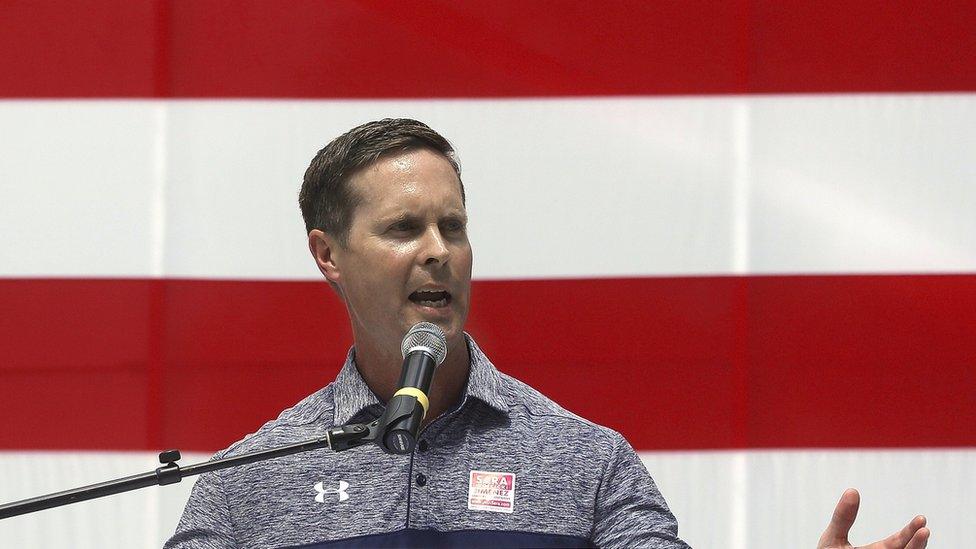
(428, 336)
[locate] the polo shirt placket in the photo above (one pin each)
(427, 482)
(419, 492)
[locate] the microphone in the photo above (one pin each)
(423, 348)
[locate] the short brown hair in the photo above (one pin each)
(326, 200)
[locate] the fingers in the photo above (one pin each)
(842, 519)
(913, 536)
(919, 540)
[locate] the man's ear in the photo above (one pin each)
(324, 249)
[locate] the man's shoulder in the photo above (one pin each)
(529, 404)
(310, 417)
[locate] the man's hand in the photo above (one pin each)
(912, 536)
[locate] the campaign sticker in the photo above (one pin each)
(490, 491)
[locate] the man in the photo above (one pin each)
(385, 213)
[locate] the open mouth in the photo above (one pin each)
(431, 298)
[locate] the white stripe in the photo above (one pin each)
(740, 189)
(76, 188)
(141, 518)
(158, 220)
(789, 496)
(739, 502)
(557, 187)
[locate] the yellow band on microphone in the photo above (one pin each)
(416, 393)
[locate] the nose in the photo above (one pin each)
(434, 249)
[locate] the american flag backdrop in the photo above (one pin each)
(743, 234)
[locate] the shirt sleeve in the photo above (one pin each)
(630, 511)
(206, 522)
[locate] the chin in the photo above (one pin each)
(451, 330)
(454, 333)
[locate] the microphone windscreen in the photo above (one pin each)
(428, 335)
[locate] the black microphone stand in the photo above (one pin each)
(337, 439)
(395, 432)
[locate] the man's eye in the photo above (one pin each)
(402, 227)
(454, 226)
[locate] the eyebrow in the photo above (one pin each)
(397, 217)
(404, 215)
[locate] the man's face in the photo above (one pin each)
(407, 258)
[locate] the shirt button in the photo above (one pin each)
(421, 479)
(423, 446)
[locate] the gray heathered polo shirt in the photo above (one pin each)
(507, 468)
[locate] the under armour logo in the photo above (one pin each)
(341, 491)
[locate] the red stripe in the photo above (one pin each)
(673, 363)
(486, 48)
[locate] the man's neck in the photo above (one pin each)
(381, 372)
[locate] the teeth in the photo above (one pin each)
(431, 298)
(428, 303)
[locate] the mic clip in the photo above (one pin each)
(391, 431)
(403, 411)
